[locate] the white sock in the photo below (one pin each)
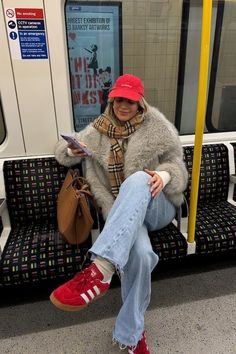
(105, 267)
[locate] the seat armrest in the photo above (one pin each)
(178, 216)
(182, 212)
(2, 204)
(233, 178)
(181, 217)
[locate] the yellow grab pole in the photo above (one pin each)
(200, 116)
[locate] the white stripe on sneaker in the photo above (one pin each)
(97, 291)
(85, 297)
(91, 294)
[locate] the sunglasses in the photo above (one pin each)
(121, 99)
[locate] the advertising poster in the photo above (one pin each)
(94, 44)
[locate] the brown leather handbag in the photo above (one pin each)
(73, 208)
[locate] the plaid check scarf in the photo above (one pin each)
(106, 125)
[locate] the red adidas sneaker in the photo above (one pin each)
(80, 291)
(141, 347)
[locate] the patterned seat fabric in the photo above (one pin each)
(216, 227)
(234, 146)
(216, 218)
(32, 186)
(35, 251)
(168, 243)
(214, 173)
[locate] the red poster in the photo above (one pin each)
(29, 13)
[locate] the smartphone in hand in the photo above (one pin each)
(72, 140)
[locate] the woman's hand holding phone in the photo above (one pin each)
(76, 150)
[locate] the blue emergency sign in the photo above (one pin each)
(33, 44)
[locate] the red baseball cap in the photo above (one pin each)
(128, 86)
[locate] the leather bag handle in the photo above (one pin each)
(81, 186)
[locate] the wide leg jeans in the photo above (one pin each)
(124, 241)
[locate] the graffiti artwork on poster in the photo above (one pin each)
(93, 34)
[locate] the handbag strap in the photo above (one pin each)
(81, 186)
(77, 179)
(79, 192)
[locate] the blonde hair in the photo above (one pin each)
(143, 106)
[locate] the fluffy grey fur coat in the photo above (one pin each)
(155, 145)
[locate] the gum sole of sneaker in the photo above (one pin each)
(71, 308)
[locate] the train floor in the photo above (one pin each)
(192, 311)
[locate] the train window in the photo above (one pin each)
(221, 103)
(221, 109)
(2, 124)
(106, 39)
(186, 103)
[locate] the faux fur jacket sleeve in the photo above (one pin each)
(171, 158)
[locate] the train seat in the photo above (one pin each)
(169, 243)
(34, 250)
(216, 217)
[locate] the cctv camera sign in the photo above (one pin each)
(93, 36)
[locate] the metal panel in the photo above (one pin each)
(59, 64)
(33, 85)
(13, 145)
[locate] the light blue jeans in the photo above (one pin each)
(124, 241)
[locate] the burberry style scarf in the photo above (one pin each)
(105, 125)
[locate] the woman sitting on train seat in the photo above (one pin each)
(137, 176)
